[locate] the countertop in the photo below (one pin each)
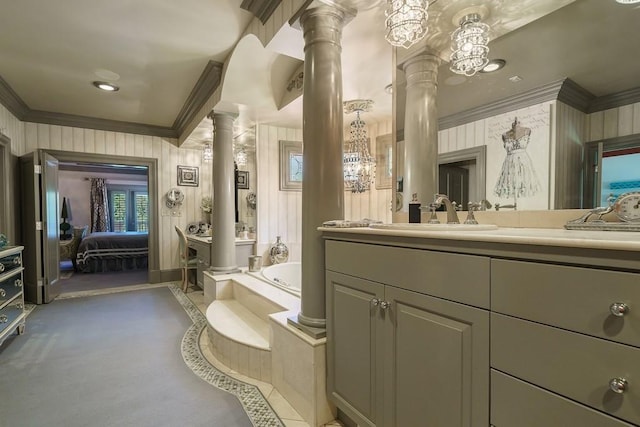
(208, 239)
(614, 240)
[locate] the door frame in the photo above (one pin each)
(155, 275)
(6, 226)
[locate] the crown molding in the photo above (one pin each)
(261, 9)
(201, 92)
(614, 100)
(12, 101)
(72, 120)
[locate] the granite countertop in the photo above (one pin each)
(616, 240)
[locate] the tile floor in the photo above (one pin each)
(287, 414)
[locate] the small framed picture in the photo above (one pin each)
(290, 165)
(188, 176)
(243, 180)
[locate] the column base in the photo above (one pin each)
(312, 331)
(224, 270)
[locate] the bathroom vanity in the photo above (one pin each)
(12, 314)
(202, 246)
(506, 327)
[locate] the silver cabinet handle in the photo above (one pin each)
(20, 306)
(1, 268)
(3, 318)
(385, 304)
(18, 283)
(3, 293)
(618, 385)
(619, 309)
(375, 302)
(16, 261)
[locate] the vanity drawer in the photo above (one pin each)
(9, 288)
(576, 366)
(517, 403)
(574, 298)
(10, 262)
(457, 277)
(10, 313)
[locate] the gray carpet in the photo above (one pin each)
(76, 282)
(108, 360)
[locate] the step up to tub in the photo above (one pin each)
(238, 322)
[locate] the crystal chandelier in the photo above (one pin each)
(241, 157)
(358, 163)
(406, 21)
(469, 46)
(207, 152)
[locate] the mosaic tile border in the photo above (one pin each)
(254, 403)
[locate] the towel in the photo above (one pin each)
(346, 223)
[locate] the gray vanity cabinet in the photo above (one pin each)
(398, 357)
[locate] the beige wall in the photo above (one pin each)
(615, 122)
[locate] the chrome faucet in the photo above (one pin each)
(452, 215)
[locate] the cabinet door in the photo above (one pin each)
(354, 346)
(436, 362)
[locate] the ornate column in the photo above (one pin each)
(323, 180)
(421, 129)
(223, 248)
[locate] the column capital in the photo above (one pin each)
(422, 68)
(417, 55)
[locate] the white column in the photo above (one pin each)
(223, 247)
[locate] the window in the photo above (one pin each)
(129, 208)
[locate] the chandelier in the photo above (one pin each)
(357, 161)
(469, 46)
(207, 152)
(406, 22)
(241, 156)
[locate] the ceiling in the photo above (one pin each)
(156, 50)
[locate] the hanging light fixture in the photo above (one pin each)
(241, 156)
(357, 161)
(406, 21)
(469, 46)
(207, 151)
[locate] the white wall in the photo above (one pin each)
(14, 129)
(80, 140)
(74, 186)
(615, 122)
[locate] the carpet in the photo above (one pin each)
(76, 282)
(119, 360)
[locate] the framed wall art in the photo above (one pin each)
(242, 180)
(188, 176)
(290, 165)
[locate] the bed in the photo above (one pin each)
(107, 251)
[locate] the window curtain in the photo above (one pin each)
(99, 205)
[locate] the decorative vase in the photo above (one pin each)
(279, 252)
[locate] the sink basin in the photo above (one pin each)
(435, 227)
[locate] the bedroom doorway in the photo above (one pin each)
(110, 251)
(149, 272)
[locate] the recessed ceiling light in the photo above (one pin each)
(493, 65)
(108, 87)
(628, 1)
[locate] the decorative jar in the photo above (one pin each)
(279, 252)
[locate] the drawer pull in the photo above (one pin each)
(18, 283)
(16, 261)
(4, 318)
(619, 309)
(1, 268)
(384, 305)
(3, 293)
(375, 302)
(618, 385)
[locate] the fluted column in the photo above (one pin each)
(421, 129)
(323, 181)
(223, 247)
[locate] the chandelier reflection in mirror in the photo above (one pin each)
(469, 46)
(358, 162)
(406, 21)
(207, 151)
(241, 156)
